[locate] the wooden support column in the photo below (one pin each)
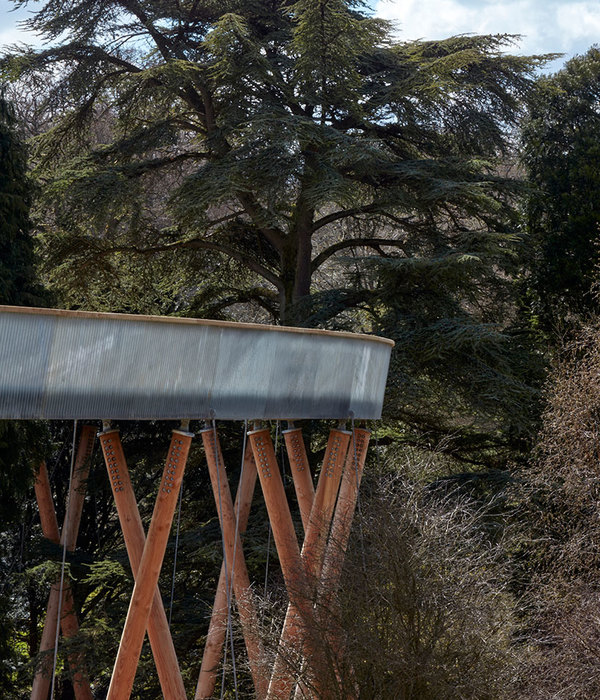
(284, 536)
(235, 562)
(313, 551)
(159, 633)
(344, 514)
(69, 623)
(144, 590)
(321, 513)
(303, 483)
(338, 544)
(213, 648)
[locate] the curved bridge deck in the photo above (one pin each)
(67, 364)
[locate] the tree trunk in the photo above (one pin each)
(303, 266)
(296, 269)
(286, 296)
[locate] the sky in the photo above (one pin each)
(547, 26)
(9, 30)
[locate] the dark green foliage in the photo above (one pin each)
(294, 163)
(21, 444)
(561, 151)
(21, 447)
(18, 284)
(265, 140)
(463, 376)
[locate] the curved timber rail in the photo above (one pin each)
(68, 364)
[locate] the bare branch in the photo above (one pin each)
(201, 244)
(373, 208)
(256, 213)
(374, 243)
(76, 50)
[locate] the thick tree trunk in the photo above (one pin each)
(296, 273)
(286, 296)
(303, 265)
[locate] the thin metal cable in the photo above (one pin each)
(237, 532)
(284, 474)
(267, 563)
(64, 560)
(229, 623)
(94, 498)
(175, 554)
(277, 435)
(239, 504)
(277, 427)
(377, 455)
(57, 460)
(358, 502)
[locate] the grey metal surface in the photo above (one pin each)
(66, 365)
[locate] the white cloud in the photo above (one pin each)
(547, 26)
(11, 36)
(11, 29)
(579, 21)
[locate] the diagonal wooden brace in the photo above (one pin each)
(284, 536)
(234, 558)
(159, 634)
(144, 590)
(213, 648)
(303, 483)
(338, 542)
(69, 623)
(313, 551)
(344, 514)
(321, 512)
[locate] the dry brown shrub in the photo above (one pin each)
(563, 485)
(423, 611)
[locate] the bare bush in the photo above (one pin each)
(562, 563)
(422, 612)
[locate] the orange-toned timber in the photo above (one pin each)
(159, 634)
(284, 535)
(313, 551)
(234, 558)
(69, 624)
(338, 540)
(303, 483)
(144, 590)
(344, 513)
(215, 638)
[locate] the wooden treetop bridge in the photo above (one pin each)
(98, 367)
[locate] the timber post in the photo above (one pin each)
(146, 581)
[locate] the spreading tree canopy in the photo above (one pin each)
(256, 143)
(18, 284)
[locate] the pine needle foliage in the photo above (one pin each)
(261, 139)
(21, 444)
(561, 153)
(295, 163)
(18, 284)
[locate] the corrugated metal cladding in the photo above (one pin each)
(67, 365)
